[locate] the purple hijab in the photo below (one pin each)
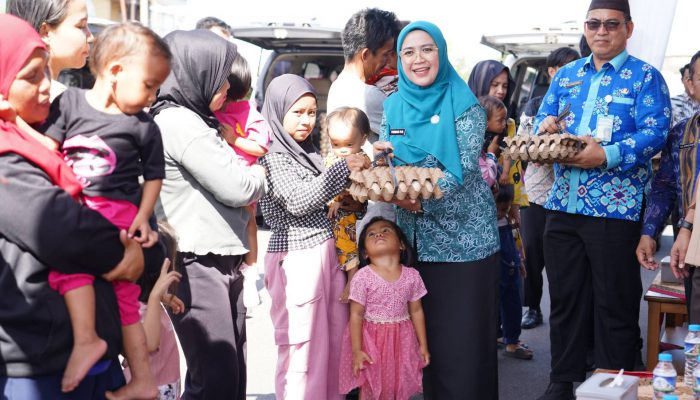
(280, 96)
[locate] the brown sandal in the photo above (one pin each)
(521, 353)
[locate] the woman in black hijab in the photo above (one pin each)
(491, 78)
(203, 197)
(301, 266)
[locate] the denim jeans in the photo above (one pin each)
(92, 387)
(509, 288)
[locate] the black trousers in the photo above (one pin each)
(461, 314)
(694, 303)
(593, 273)
(212, 328)
(532, 229)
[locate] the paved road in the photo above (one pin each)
(518, 379)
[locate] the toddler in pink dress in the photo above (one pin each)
(384, 347)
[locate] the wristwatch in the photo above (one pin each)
(685, 224)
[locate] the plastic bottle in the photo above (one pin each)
(692, 351)
(664, 380)
(696, 385)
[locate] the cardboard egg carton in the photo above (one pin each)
(377, 183)
(547, 148)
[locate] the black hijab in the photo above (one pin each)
(280, 96)
(201, 64)
(482, 75)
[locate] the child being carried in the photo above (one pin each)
(348, 128)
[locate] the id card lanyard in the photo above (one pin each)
(604, 123)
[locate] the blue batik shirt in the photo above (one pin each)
(674, 183)
(635, 96)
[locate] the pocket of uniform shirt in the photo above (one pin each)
(623, 100)
(621, 107)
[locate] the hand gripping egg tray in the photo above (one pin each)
(547, 148)
(387, 183)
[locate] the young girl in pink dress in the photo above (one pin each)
(385, 347)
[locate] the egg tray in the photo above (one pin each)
(407, 182)
(546, 149)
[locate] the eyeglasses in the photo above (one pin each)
(611, 25)
(409, 54)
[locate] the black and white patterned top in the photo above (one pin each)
(294, 203)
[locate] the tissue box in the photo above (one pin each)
(595, 388)
(666, 274)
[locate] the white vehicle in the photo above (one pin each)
(526, 55)
(314, 53)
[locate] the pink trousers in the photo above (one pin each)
(121, 213)
(305, 287)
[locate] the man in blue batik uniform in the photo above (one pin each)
(593, 211)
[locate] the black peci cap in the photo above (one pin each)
(620, 5)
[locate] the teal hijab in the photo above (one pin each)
(414, 131)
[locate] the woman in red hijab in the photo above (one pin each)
(42, 224)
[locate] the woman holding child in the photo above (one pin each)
(435, 121)
(42, 226)
(204, 195)
(301, 265)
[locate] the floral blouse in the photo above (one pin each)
(461, 226)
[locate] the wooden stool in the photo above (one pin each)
(664, 300)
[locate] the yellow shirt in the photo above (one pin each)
(516, 173)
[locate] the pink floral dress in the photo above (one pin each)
(388, 337)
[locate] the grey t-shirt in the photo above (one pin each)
(109, 152)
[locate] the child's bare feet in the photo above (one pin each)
(84, 355)
(143, 389)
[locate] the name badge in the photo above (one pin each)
(572, 84)
(397, 132)
(604, 127)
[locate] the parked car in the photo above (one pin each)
(526, 55)
(315, 53)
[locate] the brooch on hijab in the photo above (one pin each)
(435, 119)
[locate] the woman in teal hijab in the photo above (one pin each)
(434, 120)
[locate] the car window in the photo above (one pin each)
(526, 87)
(281, 67)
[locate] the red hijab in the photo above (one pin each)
(18, 40)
